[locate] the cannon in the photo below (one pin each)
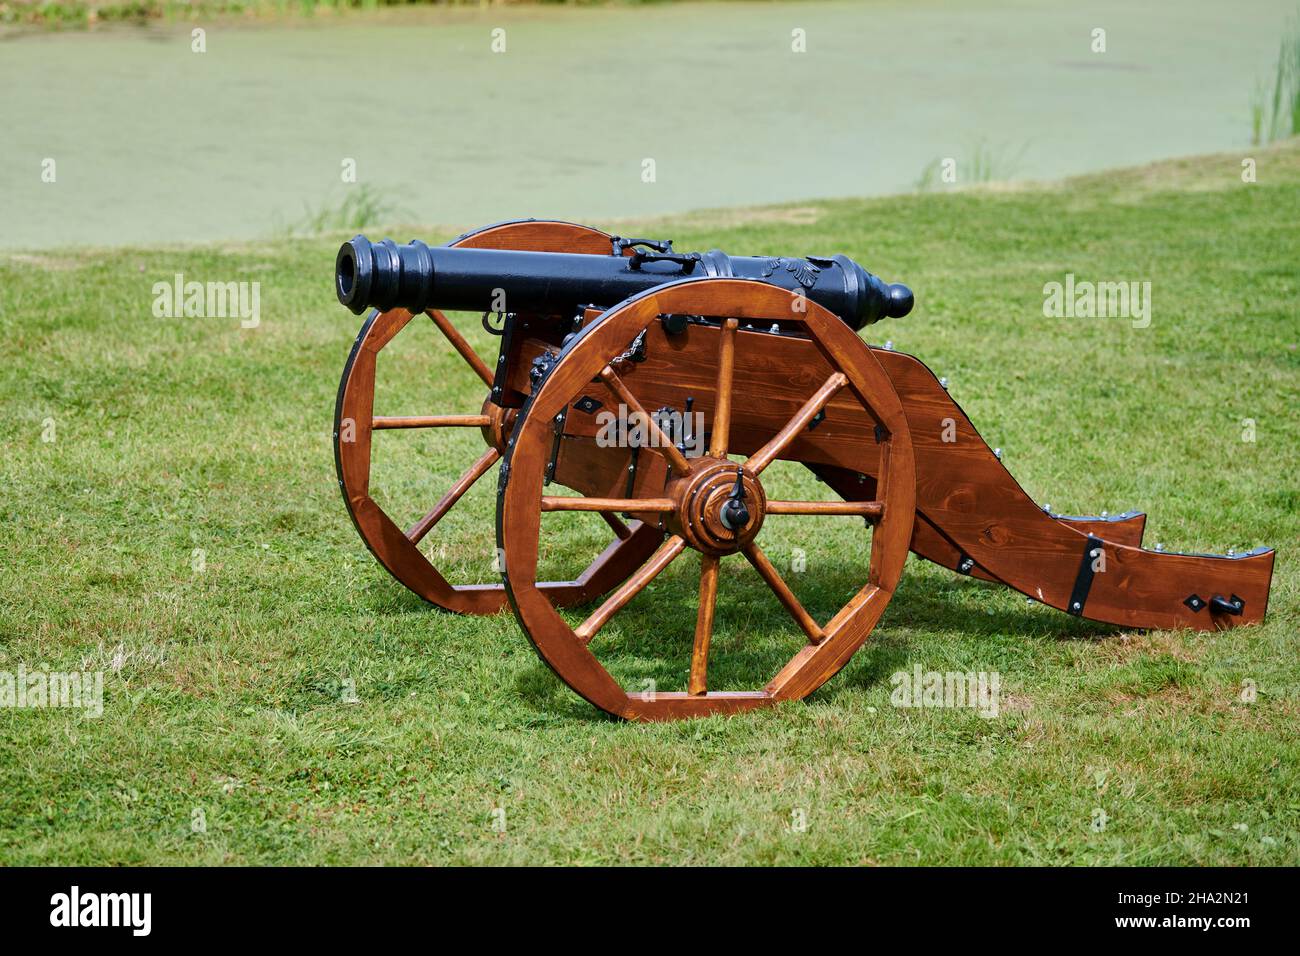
(764, 354)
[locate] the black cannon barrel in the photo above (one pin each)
(415, 276)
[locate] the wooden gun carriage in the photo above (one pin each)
(752, 347)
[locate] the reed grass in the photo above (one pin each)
(1275, 104)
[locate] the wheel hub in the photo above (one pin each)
(501, 421)
(717, 495)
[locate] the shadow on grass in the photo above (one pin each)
(648, 644)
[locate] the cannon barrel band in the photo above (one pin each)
(415, 276)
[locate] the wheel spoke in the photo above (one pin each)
(704, 624)
(633, 586)
(783, 593)
(608, 505)
(430, 421)
(460, 345)
(871, 510)
(769, 452)
(722, 394)
(664, 443)
(422, 527)
(616, 523)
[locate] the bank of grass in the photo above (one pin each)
(81, 14)
(183, 533)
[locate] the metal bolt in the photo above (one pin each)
(775, 328)
(501, 360)
(997, 453)
(1105, 514)
(1047, 508)
(943, 382)
(1231, 552)
(889, 345)
(1159, 546)
(1077, 606)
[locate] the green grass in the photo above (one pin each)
(223, 687)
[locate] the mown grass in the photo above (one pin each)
(227, 689)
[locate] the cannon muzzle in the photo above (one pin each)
(384, 275)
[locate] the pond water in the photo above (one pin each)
(155, 142)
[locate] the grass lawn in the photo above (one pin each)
(183, 533)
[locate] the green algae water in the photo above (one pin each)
(464, 117)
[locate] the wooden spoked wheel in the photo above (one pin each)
(700, 505)
(355, 423)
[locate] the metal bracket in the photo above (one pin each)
(541, 368)
(1222, 605)
(1083, 581)
(631, 471)
(558, 425)
(503, 359)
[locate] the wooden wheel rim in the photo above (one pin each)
(519, 508)
(354, 419)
